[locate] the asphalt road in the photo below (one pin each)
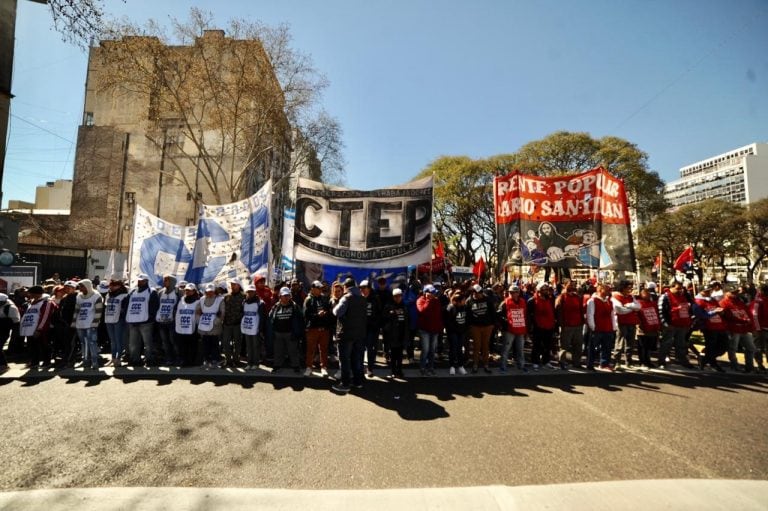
(232, 431)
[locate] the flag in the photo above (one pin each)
(440, 250)
(684, 261)
(479, 268)
(656, 264)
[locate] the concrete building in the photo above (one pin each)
(134, 149)
(740, 176)
(54, 195)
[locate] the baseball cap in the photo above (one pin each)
(210, 287)
(103, 287)
(182, 283)
(477, 288)
(35, 290)
(223, 285)
(429, 288)
(251, 287)
(142, 276)
(514, 288)
(190, 287)
(349, 282)
(317, 284)
(285, 291)
(70, 283)
(3, 297)
(364, 283)
(397, 292)
(541, 285)
(651, 285)
(235, 280)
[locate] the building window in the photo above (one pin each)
(88, 119)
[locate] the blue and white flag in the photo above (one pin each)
(232, 240)
(289, 222)
(160, 248)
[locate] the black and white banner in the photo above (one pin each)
(365, 229)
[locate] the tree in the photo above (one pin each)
(755, 222)
(660, 235)
(78, 21)
(463, 207)
(565, 152)
(225, 106)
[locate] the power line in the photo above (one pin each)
(41, 128)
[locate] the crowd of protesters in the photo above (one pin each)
(374, 328)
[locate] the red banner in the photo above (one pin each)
(570, 221)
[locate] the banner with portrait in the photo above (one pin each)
(574, 221)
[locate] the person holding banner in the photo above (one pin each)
(143, 304)
(185, 325)
(251, 327)
(210, 312)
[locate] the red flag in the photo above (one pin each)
(684, 261)
(440, 250)
(479, 268)
(656, 264)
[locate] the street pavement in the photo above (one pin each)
(230, 429)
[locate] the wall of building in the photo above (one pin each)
(55, 195)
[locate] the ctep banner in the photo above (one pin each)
(574, 221)
(385, 228)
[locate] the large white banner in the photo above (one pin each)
(160, 248)
(365, 229)
(230, 240)
(233, 239)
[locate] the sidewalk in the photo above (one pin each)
(683, 495)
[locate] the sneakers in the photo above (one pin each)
(323, 372)
(462, 371)
(337, 374)
(369, 372)
(308, 371)
(452, 371)
(340, 387)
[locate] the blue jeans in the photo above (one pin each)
(89, 340)
(371, 339)
(517, 342)
(141, 335)
(171, 349)
(601, 342)
(428, 347)
(116, 332)
(350, 357)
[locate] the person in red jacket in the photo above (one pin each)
(713, 327)
(676, 316)
(648, 329)
(430, 323)
(626, 309)
(760, 315)
(740, 325)
(570, 308)
(512, 313)
(542, 323)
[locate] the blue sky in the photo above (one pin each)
(413, 80)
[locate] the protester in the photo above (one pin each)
(396, 329)
(457, 329)
(351, 316)
(35, 325)
(675, 315)
(513, 313)
(231, 335)
(602, 323)
(372, 325)
(9, 316)
(143, 304)
(713, 327)
(286, 328)
(760, 315)
(168, 297)
(569, 311)
(482, 316)
(626, 307)
(648, 328)
(89, 307)
(185, 325)
(318, 317)
(430, 323)
(210, 311)
(542, 323)
(251, 327)
(740, 325)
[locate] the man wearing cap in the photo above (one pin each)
(168, 297)
(35, 325)
(396, 329)
(115, 308)
(210, 311)
(482, 318)
(231, 335)
(66, 341)
(268, 300)
(513, 313)
(430, 326)
(143, 304)
(9, 316)
(542, 324)
(286, 327)
(185, 326)
(373, 324)
(676, 318)
(350, 314)
(251, 327)
(88, 310)
(712, 326)
(318, 318)
(740, 325)
(569, 310)
(626, 308)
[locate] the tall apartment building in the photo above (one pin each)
(134, 148)
(740, 176)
